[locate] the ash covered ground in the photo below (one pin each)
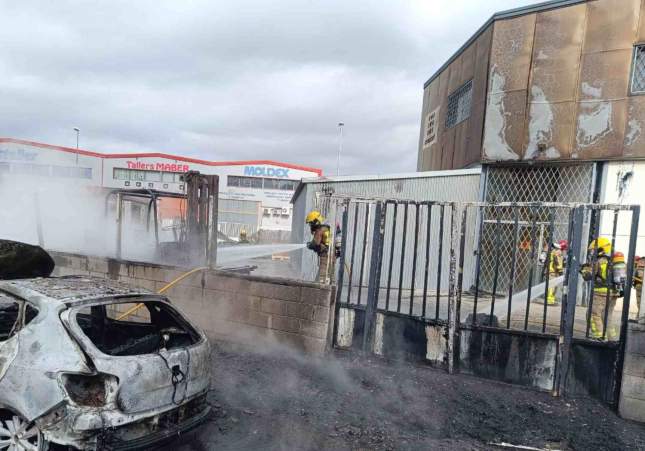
(276, 399)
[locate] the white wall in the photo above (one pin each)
(630, 192)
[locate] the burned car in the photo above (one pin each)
(89, 363)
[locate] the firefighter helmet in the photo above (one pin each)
(313, 216)
(602, 244)
(564, 244)
(619, 257)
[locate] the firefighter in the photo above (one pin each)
(321, 243)
(607, 287)
(555, 268)
(244, 239)
(639, 270)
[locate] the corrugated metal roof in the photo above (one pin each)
(508, 14)
(383, 177)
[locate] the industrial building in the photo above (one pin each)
(254, 195)
(548, 99)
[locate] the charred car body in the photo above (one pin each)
(93, 364)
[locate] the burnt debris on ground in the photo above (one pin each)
(278, 399)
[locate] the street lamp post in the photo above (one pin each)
(340, 146)
(78, 132)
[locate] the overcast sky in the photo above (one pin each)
(218, 80)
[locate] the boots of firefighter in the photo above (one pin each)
(550, 297)
(596, 326)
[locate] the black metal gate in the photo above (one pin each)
(410, 286)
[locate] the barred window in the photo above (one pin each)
(459, 105)
(638, 70)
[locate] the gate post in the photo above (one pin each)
(455, 281)
(341, 270)
(569, 296)
(374, 280)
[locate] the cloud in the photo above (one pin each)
(245, 79)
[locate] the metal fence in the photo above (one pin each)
(441, 243)
(553, 183)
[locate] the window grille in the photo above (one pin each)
(638, 70)
(459, 103)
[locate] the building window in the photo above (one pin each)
(459, 103)
(261, 183)
(638, 70)
(147, 176)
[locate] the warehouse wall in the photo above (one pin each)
(244, 309)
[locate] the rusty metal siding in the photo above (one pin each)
(509, 73)
(578, 104)
(459, 146)
(557, 88)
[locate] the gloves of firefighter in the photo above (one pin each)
(586, 271)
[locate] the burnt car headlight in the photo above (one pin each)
(90, 390)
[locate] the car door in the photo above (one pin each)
(150, 376)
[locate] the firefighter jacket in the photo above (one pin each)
(321, 239)
(602, 281)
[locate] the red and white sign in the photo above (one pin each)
(167, 167)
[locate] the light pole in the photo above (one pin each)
(340, 146)
(78, 132)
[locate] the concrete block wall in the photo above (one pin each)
(632, 390)
(245, 309)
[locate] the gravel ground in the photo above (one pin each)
(277, 399)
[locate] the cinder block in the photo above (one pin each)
(321, 314)
(61, 261)
(78, 262)
(259, 319)
(634, 365)
(255, 302)
(96, 264)
(315, 296)
(633, 387)
(299, 310)
(274, 306)
(284, 323)
(635, 339)
(314, 346)
(275, 291)
(217, 281)
(313, 329)
(632, 409)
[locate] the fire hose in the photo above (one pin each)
(162, 290)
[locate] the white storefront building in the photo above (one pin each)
(261, 186)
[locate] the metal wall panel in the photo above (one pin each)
(554, 81)
(611, 25)
(558, 88)
(460, 145)
(510, 64)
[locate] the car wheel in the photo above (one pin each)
(17, 434)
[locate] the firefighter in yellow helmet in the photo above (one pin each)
(555, 268)
(321, 244)
(607, 286)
